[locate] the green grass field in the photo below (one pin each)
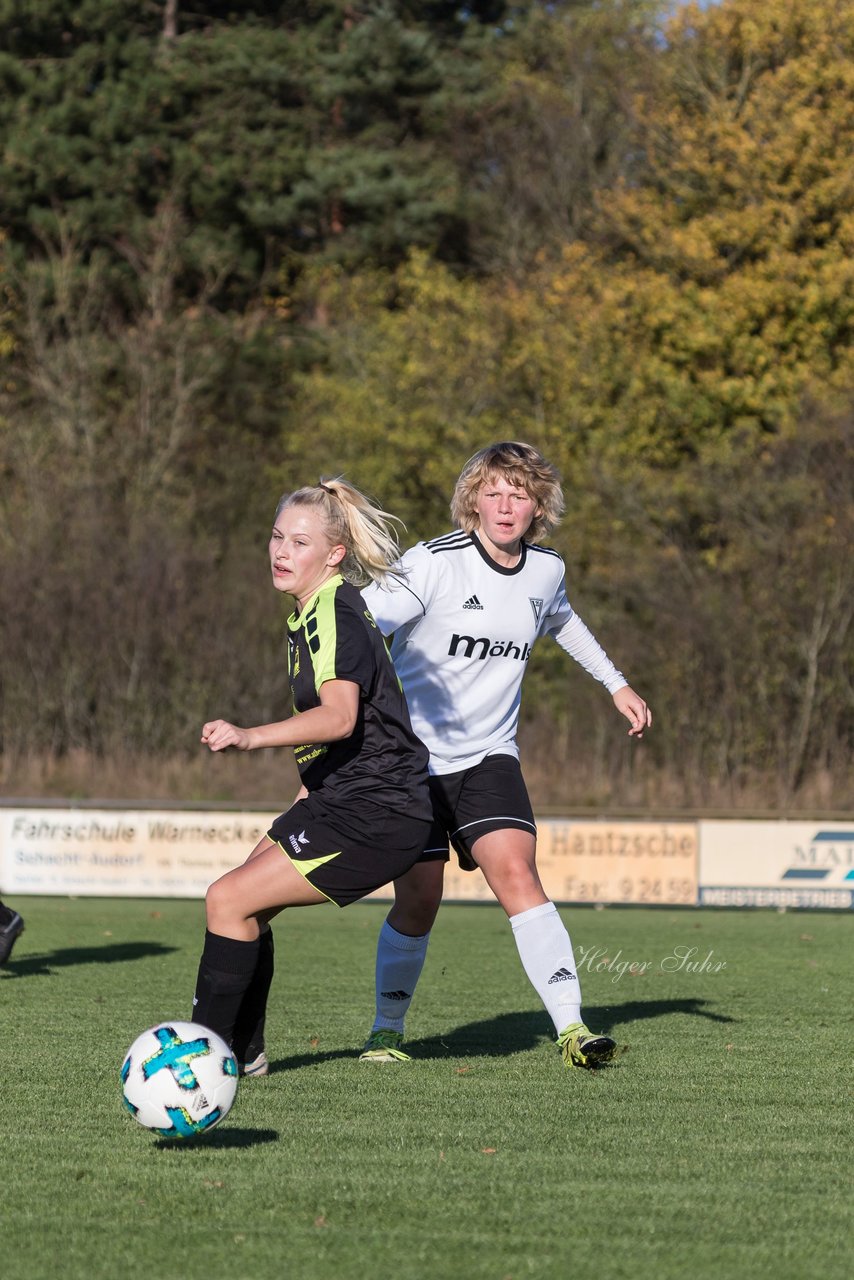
(718, 1146)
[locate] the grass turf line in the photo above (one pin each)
(715, 1147)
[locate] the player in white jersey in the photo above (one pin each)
(465, 613)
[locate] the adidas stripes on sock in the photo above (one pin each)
(225, 972)
(546, 954)
(248, 1039)
(400, 960)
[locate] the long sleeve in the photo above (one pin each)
(578, 641)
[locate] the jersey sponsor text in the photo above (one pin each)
(488, 648)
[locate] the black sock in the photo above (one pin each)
(248, 1038)
(225, 972)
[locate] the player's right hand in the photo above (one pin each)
(219, 734)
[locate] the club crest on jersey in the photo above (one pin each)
(537, 606)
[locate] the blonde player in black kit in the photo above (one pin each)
(465, 612)
(363, 813)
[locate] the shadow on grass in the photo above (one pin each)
(220, 1140)
(509, 1033)
(614, 1016)
(42, 966)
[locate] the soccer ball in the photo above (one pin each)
(179, 1079)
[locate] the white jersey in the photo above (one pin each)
(464, 628)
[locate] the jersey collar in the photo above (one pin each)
(296, 620)
(500, 568)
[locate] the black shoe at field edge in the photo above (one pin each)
(11, 926)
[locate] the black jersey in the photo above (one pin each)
(335, 638)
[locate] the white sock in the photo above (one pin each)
(400, 960)
(546, 954)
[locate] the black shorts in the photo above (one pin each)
(489, 796)
(346, 853)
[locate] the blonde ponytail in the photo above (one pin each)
(351, 519)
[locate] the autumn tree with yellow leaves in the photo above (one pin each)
(690, 368)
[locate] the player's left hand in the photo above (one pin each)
(635, 710)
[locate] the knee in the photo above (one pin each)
(415, 919)
(216, 900)
(516, 885)
(414, 913)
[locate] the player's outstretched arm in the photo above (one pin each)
(635, 710)
(334, 719)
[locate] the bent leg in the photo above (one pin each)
(417, 897)
(402, 947)
(508, 861)
(230, 957)
(267, 881)
(248, 1038)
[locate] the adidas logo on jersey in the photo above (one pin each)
(562, 975)
(472, 603)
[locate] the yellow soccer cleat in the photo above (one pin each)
(580, 1048)
(384, 1046)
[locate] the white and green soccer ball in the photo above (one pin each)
(179, 1079)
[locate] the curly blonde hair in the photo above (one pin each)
(351, 520)
(521, 465)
